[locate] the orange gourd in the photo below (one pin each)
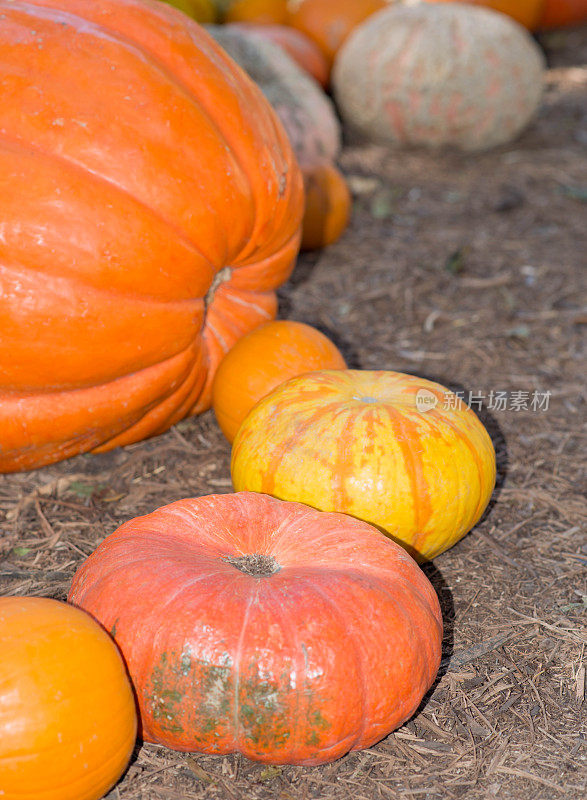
(150, 204)
(560, 13)
(526, 12)
(397, 451)
(265, 628)
(260, 361)
(329, 22)
(67, 712)
(328, 206)
(263, 12)
(297, 45)
(201, 10)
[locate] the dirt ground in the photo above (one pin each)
(467, 270)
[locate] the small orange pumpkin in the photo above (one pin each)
(394, 450)
(329, 22)
(560, 13)
(263, 12)
(262, 360)
(328, 206)
(67, 712)
(202, 11)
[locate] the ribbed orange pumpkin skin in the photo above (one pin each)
(328, 206)
(328, 654)
(67, 713)
(150, 205)
(329, 22)
(354, 441)
(560, 13)
(526, 12)
(260, 361)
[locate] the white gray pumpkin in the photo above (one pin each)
(306, 112)
(439, 74)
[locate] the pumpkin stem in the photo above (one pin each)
(255, 564)
(221, 276)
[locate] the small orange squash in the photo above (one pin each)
(67, 712)
(329, 22)
(260, 361)
(266, 628)
(202, 11)
(263, 12)
(328, 206)
(560, 13)
(380, 446)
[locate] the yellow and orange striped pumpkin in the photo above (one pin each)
(398, 451)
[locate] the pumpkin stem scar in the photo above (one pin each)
(255, 564)
(221, 276)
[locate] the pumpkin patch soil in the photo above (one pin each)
(466, 270)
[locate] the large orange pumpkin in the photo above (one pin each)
(67, 712)
(560, 13)
(526, 12)
(264, 627)
(328, 205)
(381, 446)
(260, 361)
(329, 22)
(150, 204)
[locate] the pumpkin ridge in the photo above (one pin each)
(173, 304)
(374, 582)
(237, 671)
(144, 679)
(87, 171)
(136, 363)
(228, 137)
(298, 649)
(224, 133)
(110, 435)
(357, 656)
(475, 456)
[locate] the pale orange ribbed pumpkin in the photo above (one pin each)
(263, 627)
(439, 74)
